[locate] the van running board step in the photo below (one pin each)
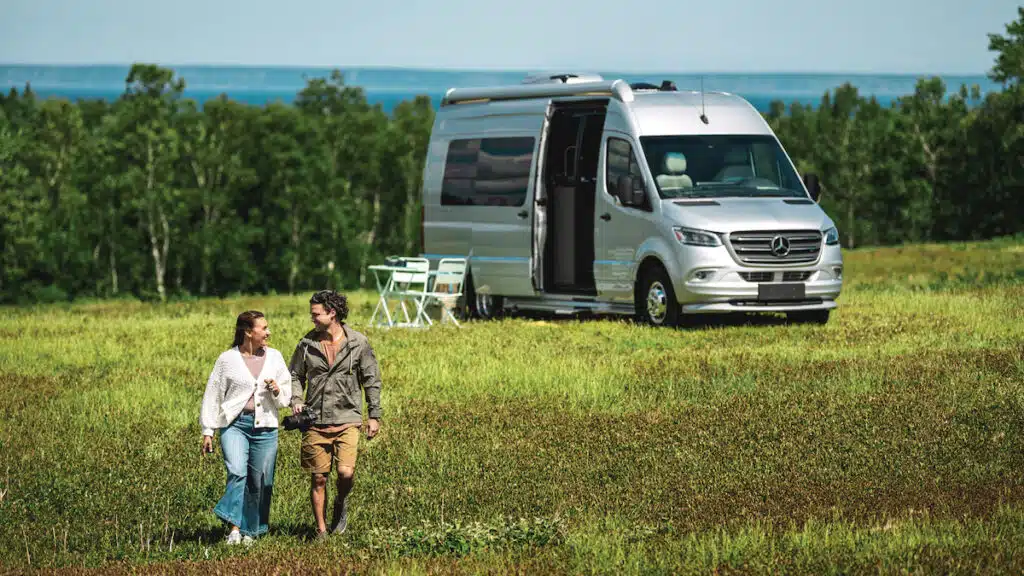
(567, 306)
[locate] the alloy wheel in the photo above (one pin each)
(657, 302)
(484, 305)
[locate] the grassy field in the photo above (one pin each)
(888, 440)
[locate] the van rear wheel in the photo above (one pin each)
(482, 306)
(656, 302)
(487, 306)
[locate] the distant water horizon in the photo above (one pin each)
(388, 86)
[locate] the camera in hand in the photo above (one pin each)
(301, 421)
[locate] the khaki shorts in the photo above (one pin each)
(319, 448)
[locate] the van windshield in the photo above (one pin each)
(720, 166)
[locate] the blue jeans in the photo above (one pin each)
(250, 456)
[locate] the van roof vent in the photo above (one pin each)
(562, 78)
(666, 86)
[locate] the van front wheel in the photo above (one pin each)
(655, 300)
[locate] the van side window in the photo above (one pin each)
(620, 161)
(487, 172)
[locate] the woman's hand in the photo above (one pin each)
(207, 445)
(272, 386)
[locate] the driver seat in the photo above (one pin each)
(673, 177)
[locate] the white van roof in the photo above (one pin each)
(671, 113)
(656, 109)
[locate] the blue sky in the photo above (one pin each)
(880, 36)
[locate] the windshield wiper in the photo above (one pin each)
(698, 195)
(743, 189)
(716, 185)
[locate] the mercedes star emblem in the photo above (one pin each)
(780, 246)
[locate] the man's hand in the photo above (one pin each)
(372, 427)
(297, 408)
(207, 445)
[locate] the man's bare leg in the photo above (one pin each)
(318, 499)
(346, 478)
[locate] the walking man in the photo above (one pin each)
(335, 367)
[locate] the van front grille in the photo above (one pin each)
(776, 247)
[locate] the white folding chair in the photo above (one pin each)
(411, 283)
(384, 290)
(447, 288)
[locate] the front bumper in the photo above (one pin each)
(711, 281)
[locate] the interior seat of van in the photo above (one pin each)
(673, 177)
(736, 166)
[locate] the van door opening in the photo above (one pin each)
(573, 149)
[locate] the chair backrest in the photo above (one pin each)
(450, 275)
(416, 273)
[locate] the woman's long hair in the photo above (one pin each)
(246, 321)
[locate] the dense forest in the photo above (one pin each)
(152, 196)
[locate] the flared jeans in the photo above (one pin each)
(250, 456)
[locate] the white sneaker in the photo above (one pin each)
(235, 537)
(248, 540)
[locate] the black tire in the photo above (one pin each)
(481, 306)
(808, 317)
(656, 303)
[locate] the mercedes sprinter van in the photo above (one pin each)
(571, 193)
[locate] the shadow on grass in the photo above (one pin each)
(210, 536)
(688, 322)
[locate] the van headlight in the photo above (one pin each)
(695, 237)
(832, 236)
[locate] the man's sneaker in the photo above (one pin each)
(340, 520)
(248, 540)
(235, 537)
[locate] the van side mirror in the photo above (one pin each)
(813, 185)
(629, 190)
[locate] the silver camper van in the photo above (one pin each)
(570, 193)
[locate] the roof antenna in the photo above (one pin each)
(703, 116)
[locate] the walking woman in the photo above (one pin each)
(248, 384)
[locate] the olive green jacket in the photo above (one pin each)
(336, 392)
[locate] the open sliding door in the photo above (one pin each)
(540, 203)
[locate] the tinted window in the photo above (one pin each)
(487, 172)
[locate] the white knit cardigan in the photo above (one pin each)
(231, 384)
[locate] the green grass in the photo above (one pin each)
(887, 440)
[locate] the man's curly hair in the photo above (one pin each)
(331, 300)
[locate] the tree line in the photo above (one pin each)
(152, 196)
(924, 169)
